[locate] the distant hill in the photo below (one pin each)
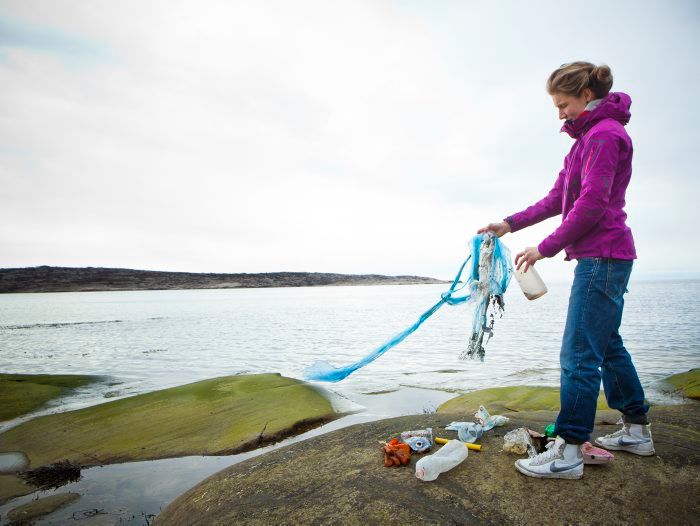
(68, 279)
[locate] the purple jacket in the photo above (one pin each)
(590, 189)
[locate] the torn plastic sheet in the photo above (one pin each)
(491, 272)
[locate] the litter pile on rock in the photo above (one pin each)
(398, 451)
(520, 441)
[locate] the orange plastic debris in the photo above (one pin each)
(396, 453)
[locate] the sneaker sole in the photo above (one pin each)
(629, 449)
(562, 475)
(596, 459)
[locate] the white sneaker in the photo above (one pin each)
(634, 438)
(560, 461)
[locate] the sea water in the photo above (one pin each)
(147, 340)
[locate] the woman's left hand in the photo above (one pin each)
(528, 257)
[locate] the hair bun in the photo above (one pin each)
(573, 77)
(602, 74)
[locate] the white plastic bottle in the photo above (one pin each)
(530, 283)
(450, 455)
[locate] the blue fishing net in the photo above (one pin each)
(489, 271)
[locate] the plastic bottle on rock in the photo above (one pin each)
(450, 455)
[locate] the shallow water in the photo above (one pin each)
(146, 340)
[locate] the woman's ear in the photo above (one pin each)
(588, 95)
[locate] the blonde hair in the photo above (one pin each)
(574, 77)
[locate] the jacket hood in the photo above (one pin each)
(616, 105)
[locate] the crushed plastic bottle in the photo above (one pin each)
(470, 433)
(450, 455)
(418, 444)
(420, 440)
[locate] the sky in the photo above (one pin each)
(353, 137)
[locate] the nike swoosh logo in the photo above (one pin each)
(624, 442)
(555, 468)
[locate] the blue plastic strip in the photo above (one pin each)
(325, 372)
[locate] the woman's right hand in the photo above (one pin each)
(497, 228)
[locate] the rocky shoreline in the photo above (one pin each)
(341, 479)
(90, 279)
(338, 477)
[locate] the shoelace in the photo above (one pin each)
(619, 432)
(551, 453)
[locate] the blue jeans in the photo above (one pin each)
(592, 349)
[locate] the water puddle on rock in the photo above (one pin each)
(134, 493)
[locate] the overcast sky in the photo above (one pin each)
(354, 137)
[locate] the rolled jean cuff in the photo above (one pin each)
(635, 419)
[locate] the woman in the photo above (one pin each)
(590, 195)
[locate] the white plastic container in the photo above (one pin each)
(530, 283)
(450, 455)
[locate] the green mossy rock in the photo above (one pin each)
(687, 383)
(213, 417)
(509, 399)
(39, 508)
(23, 393)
